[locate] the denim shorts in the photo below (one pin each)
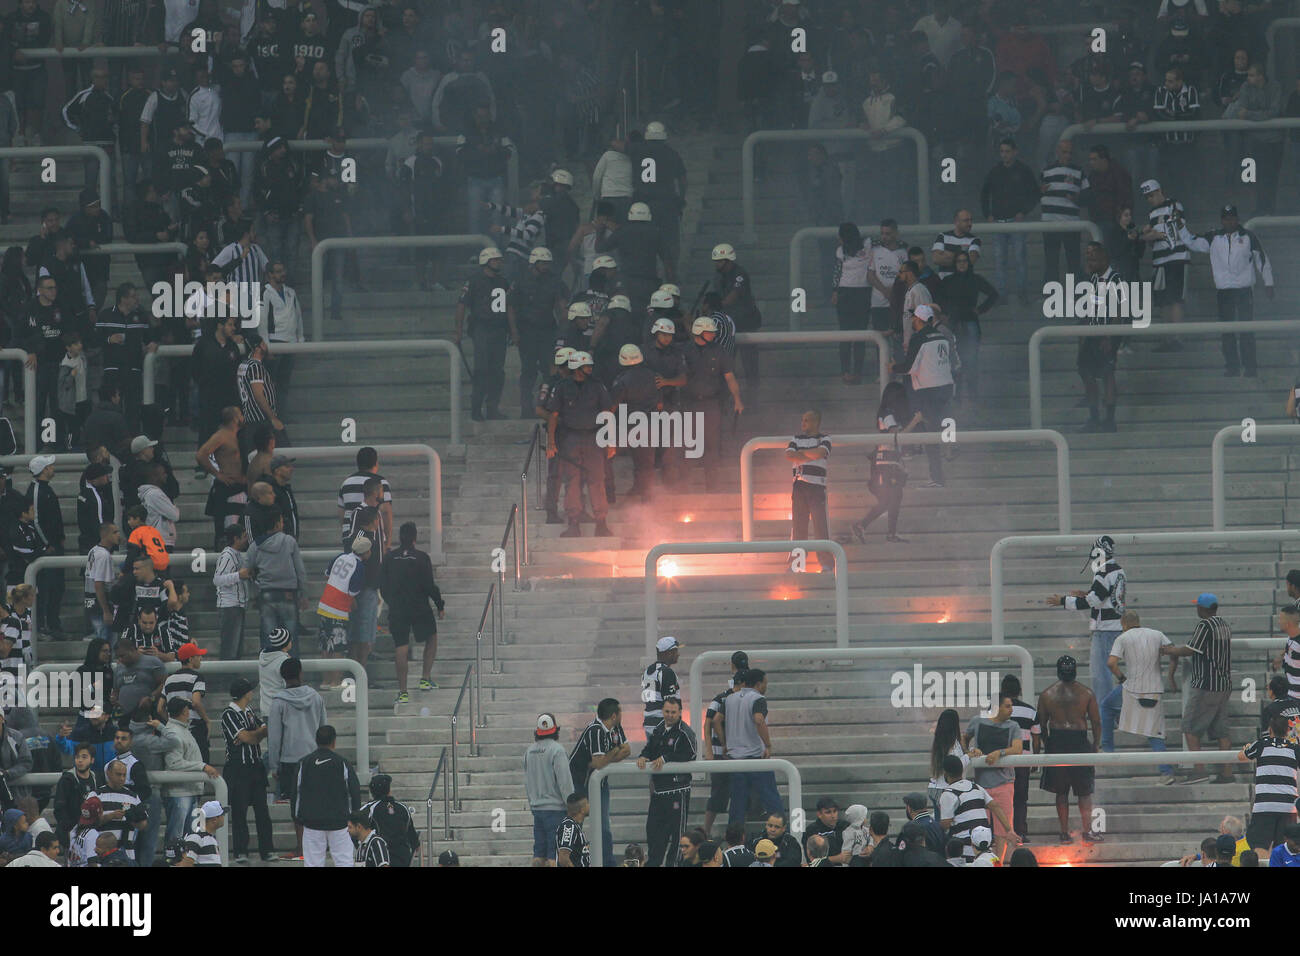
(364, 621)
(545, 823)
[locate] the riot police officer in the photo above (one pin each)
(663, 306)
(635, 387)
(732, 283)
(533, 306)
(709, 372)
(614, 329)
(663, 356)
(640, 248)
(577, 331)
(574, 406)
(559, 373)
(489, 329)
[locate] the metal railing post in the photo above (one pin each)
(455, 770)
(83, 151)
(29, 398)
(1218, 469)
(523, 517)
(743, 547)
(997, 619)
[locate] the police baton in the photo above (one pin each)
(464, 361)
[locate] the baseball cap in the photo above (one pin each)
(213, 809)
(278, 638)
(1228, 210)
(279, 461)
(827, 803)
(1178, 27)
(186, 651)
(361, 545)
(740, 660)
(667, 644)
(1137, 65)
(39, 463)
(140, 442)
(1149, 187)
(546, 725)
(170, 74)
(91, 810)
(924, 312)
(1225, 843)
(448, 858)
(764, 849)
(274, 143)
(981, 837)
(1207, 600)
(239, 687)
(88, 197)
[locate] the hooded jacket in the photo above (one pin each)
(278, 562)
(186, 756)
(162, 513)
(15, 758)
(151, 748)
(345, 64)
(296, 714)
(327, 791)
(13, 843)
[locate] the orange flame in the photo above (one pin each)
(668, 568)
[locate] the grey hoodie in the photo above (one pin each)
(185, 757)
(296, 714)
(162, 513)
(151, 748)
(279, 566)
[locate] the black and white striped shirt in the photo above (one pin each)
(177, 628)
(122, 828)
(251, 371)
(183, 685)
(1026, 715)
(657, 682)
(372, 851)
(18, 629)
(951, 242)
(718, 705)
(1276, 762)
(233, 720)
(201, 847)
(1064, 183)
(596, 741)
(1212, 662)
(1291, 666)
(1105, 599)
(247, 270)
(1168, 219)
(965, 803)
(1180, 106)
(351, 498)
(813, 472)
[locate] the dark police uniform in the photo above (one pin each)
(635, 387)
(552, 464)
(669, 363)
(621, 330)
(661, 194)
(706, 370)
(743, 311)
(670, 798)
(490, 333)
(638, 247)
(578, 404)
(533, 298)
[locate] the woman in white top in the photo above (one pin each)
(852, 298)
(947, 742)
(612, 179)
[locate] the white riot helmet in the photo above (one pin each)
(540, 254)
(655, 130)
(562, 355)
(724, 250)
(630, 355)
(578, 359)
(604, 262)
(619, 302)
(705, 323)
(659, 299)
(562, 177)
(663, 325)
(488, 254)
(638, 212)
(579, 310)
(672, 289)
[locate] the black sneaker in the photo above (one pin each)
(573, 531)
(602, 530)
(859, 532)
(1089, 837)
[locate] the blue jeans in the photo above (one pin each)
(146, 844)
(178, 816)
(279, 239)
(478, 192)
(764, 785)
(99, 627)
(545, 823)
(1011, 245)
(1102, 679)
(276, 610)
(1111, 705)
(364, 620)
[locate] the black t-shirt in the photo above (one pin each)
(1287, 706)
(834, 836)
(328, 210)
(569, 836)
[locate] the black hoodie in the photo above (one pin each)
(327, 791)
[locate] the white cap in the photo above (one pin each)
(672, 288)
(1149, 187)
(361, 544)
(659, 299)
(579, 359)
(663, 325)
(724, 250)
(140, 442)
(213, 809)
(579, 310)
(981, 837)
(923, 312)
(547, 725)
(638, 212)
(619, 302)
(540, 254)
(604, 262)
(830, 76)
(562, 177)
(705, 323)
(655, 130)
(488, 254)
(667, 644)
(630, 355)
(40, 463)
(562, 355)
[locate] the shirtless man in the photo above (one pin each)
(227, 497)
(1065, 711)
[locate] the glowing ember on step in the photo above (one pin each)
(687, 519)
(668, 568)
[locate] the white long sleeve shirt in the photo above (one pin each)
(1235, 257)
(612, 178)
(232, 590)
(282, 310)
(205, 113)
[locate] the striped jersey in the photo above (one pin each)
(569, 836)
(183, 685)
(965, 803)
(343, 582)
(123, 827)
(1026, 716)
(1168, 219)
(81, 845)
(657, 682)
(1104, 600)
(144, 640)
(951, 242)
(18, 629)
(813, 472)
(717, 705)
(1291, 666)
(1212, 662)
(1064, 184)
(351, 498)
(201, 847)
(1185, 104)
(1101, 310)
(252, 371)
(233, 720)
(236, 267)
(372, 851)
(596, 741)
(177, 628)
(1276, 762)
(526, 231)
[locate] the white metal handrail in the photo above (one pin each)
(1218, 477)
(83, 151)
(29, 397)
(383, 346)
(1054, 541)
(743, 547)
(1027, 435)
(76, 459)
(749, 235)
(1158, 127)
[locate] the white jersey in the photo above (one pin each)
(885, 263)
